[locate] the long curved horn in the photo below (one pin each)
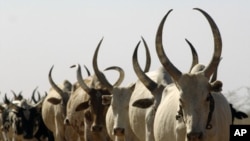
(172, 70)
(81, 81)
(53, 84)
(121, 72)
(148, 58)
(149, 84)
(87, 70)
(100, 75)
(80, 78)
(194, 55)
(209, 70)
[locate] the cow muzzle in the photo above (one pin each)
(27, 136)
(119, 131)
(194, 136)
(96, 128)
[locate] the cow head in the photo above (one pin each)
(194, 89)
(94, 110)
(152, 86)
(119, 103)
(63, 91)
(28, 117)
(95, 91)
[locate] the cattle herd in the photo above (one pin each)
(162, 105)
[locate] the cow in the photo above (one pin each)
(83, 125)
(192, 108)
(85, 111)
(43, 133)
(10, 126)
(21, 118)
(148, 92)
(54, 110)
(28, 118)
(6, 123)
(117, 118)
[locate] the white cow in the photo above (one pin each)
(148, 93)
(192, 109)
(117, 118)
(54, 111)
(141, 120)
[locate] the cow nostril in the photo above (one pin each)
(96, 128)
(119, 131)
(66, 122)
(194, 136)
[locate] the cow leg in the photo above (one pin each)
(150, 116)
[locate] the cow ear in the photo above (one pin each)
(54, 100)
(143, 103)
(82, 106)
(241, 115)
(106, 99)
(216, 86)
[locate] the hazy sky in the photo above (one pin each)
(36, 34)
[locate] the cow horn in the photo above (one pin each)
(33, 95)
(14, 94)
(39, 103)
(81, 81)
(100, 75)
(209, 70)
(194, 55)
(150, 84)
(214, 77)
(17, 97)
(53, 84)
(172, 70)
(87, 70)
(121, 77)
(6, 100)
(148, 58)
